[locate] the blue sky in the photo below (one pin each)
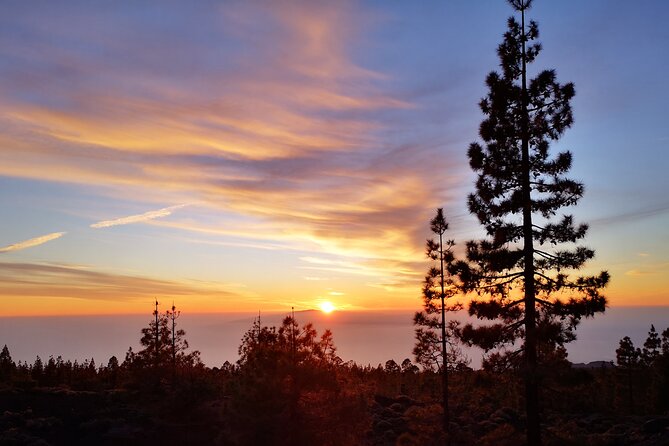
(286, 153)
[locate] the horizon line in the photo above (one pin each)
(270, 312)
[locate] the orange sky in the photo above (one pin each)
(248, 156)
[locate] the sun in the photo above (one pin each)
(327, 307)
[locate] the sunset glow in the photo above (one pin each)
(327, 307)
(334, 222)
(242, 155)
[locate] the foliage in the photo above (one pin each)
(290, 344)
(436, 337)
(522, 267)
(627, 357)
(409, 367)
(518, 177)
(436, 347)
(7, 366)
(278, 370)
(652, 347)
(392, 367)
(58, 401)
(643, 374)
(159, 349)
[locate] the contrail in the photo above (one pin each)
(137, 218)
(32, 242)
(637, 214)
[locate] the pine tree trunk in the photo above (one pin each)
(174, 347)
(531, 378)
(630, 389)
(157, 357)
(444, 363)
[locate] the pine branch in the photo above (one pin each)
(510, 328)
(497, 285)
(541, 107)
(548, 279)
(545, 302)
(546, 255)
(513, 304)
(504, 276)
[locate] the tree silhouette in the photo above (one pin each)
(409, 367)
(434, 348)
(112, 371)
(276, 367)
(7, 366)
(37, 369)
(652, 347)
(662, 364)
(519, 190)
(392, 367)
(627, 359)
(165, 347)
(173, 316)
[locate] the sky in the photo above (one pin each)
(262, 155)
(362, 337)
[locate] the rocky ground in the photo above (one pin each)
(403, 421)
(54, 416)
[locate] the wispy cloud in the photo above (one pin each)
(638, 273)
(658, 269)
(32, 242)
(633, 215)
(138, 218)
(384, 273)
(72, 281)
(278, 123)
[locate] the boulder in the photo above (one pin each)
(656, 425)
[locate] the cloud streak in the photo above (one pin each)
(138, 218)
(79, 282)
(32, 242)
(276, 127)
(647, 212)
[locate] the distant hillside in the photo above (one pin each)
(593, 365)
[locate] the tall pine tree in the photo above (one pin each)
(521, 269)
(435, 336)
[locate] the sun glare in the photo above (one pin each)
(327, 307)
